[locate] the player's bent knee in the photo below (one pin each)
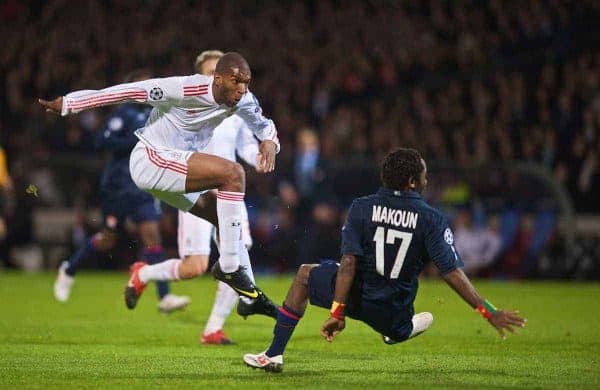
(195, 265)
(104, 241)
(235, 177)
(304, 272)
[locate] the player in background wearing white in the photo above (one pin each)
(195, 234)
(167, 164)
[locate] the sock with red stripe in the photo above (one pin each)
(287, 319)
(229, 213)
(156, 255)
(167, 270)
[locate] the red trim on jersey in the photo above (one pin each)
(107, 98)
(157, 160)
(195, 90)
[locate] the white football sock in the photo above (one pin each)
(167, 270)
(245, 261)
(229, 213)
(421, 322)
(225, 300)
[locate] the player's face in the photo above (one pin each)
(208, 66)
(233, 85)
(422, 181)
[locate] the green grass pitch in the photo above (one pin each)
(93, 341)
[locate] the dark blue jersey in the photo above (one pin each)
(393, 234)
(117, 136)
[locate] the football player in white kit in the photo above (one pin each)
(167, 164)
(195, 234)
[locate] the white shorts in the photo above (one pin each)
(162, 174)
(194, 234)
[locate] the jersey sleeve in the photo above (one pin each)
(352, 231)
(246, 145)
(250, 111)
(439, 243)
(156, 92)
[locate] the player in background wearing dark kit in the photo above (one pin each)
(386, 241)
(121, 199)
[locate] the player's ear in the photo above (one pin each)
(412, 183)
(218, 79)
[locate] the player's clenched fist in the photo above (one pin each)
(266, 157)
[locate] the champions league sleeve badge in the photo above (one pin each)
(448, 236)
(156, 94)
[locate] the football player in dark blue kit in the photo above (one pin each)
(121, 199)
(386, 241)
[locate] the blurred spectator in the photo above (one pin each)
(6, 192)
(478, 246)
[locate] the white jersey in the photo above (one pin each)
(185, 113)
(233, 136)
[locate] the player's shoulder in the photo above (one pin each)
(363, 202)
(433, 214)
(197, 80)
(249, 99)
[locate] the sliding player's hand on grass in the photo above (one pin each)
(331, 328)
(266, 157)
(506, 320)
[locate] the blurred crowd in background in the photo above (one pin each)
(472, 85)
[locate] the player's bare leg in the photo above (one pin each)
(153, 253)
(225, 212)
(287, 317)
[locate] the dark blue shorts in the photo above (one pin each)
(138, 206)
(381, 316)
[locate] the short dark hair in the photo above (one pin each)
(231, 60)
(399, 167)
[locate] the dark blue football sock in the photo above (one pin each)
(85, 250)
(287, 319)
(155, 255)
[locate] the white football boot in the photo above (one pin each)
(262, 361)
(421, 322)
(63, 283)
(172, 302)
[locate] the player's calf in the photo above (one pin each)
(193, 266)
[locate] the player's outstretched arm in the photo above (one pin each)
(500, 319)
(336, 321)
(153, 91)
